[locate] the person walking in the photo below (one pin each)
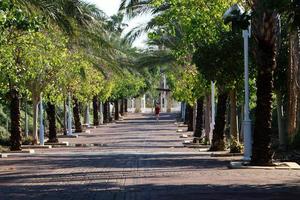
(157, 110)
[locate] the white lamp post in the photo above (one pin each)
(247, 120)
(26, 119)
(237, 15)
(212, 124)
(69, 132)
(41, 122)
(101, 112)
(87, 115)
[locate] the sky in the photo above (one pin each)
(110, 7)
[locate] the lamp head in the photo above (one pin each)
(233, 13)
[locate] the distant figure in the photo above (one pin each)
(157, 110)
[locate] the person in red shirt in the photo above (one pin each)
(157, 110)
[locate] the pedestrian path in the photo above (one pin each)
(138, 159)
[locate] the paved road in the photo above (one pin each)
(139, 159)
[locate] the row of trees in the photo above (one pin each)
(55, 50)
(194, 34)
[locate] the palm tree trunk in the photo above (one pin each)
(186, 114)
(122, 107)
(116, 102)
(16, 135)
(207, 116)
(190, 120)
(126, 105)
(78, 126)
(96, 111)
(51, 114)
(293, 91)
(65, 118)
(233, 114)
(265, 23)
(218, 143)
(106, 112)
(199, 118)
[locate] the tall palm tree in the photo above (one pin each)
(293, 11)
(96, 107)
(63, 12)
(266, 28)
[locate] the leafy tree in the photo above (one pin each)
(14, 24)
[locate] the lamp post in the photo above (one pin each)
(41, 122)
(69, 132)
(247, 120)
(240, 19)
(212, 124)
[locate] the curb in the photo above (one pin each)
(277, 166)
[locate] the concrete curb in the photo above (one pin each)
(277, 165)
(57, 145)
(3, 155)
(191, 145)
(225, 154)
(17, 153)
(67, 136)
(36, 146)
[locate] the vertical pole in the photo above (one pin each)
(65, 117)
(26, 119)
(212, 125)
(87, 115)
(41, 122)
(132, 105)
(165, 93)
(247, 121)
(69, 115)
(144, 102)
(101, 112)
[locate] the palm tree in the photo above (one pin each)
(63, 12)
(199, 119)
(51, 114)
(293, 11)
(95, 111)
(106, 112)
(76, 113)
(266, 28)
(218, 143)
(116, 103)
(15, 115)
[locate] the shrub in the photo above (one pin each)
(235, 146)
(29, 140)
(4, 137)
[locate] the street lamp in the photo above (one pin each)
(41, 122)
(240, 20)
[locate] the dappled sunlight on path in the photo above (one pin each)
(140, 159)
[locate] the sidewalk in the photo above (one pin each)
(138, 159)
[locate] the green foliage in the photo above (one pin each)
(187, 85)
(218, 62)
(198, 25)
(4, 137)
(127, 85)
(235, 146)
(29, 140)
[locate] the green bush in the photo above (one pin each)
(235, 146)
(4, 137)
(29, 140)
